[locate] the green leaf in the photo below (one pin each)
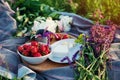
(20, 18)
(54, 15)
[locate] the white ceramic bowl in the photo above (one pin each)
(34, 60)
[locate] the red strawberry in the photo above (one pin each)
(29, 48)
(37, 54)
(34, 43)
(47, 47)
(34, 49)
(26, 53)
(47, 51)
(51, 36)
(65, 36)
(25, 46)
(58, 36)
(42, 48)
(20, 48)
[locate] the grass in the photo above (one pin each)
(110, 9)
(4, 78)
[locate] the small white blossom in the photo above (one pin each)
(66, 20)
(51, 25)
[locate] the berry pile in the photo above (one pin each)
(58, 36)
(34, 49)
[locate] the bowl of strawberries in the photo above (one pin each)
(34, 52)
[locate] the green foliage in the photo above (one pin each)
(80, 39)
(110, 9)
(88, 66)
(4, 78)
(27, 11)
(61, 5)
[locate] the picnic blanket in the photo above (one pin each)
(10, 64)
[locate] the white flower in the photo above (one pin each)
(49, 24)
(60, 26)
(66, 20)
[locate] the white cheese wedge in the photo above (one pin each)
(69, 45)
(61, 51)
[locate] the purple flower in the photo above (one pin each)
(75, 55)
(69, 61)
(66, 58)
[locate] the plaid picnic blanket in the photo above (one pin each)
(10, 64)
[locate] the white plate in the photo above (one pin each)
(71, 52)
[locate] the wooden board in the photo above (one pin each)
(46, 65)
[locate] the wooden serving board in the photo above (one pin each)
(46, 65)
